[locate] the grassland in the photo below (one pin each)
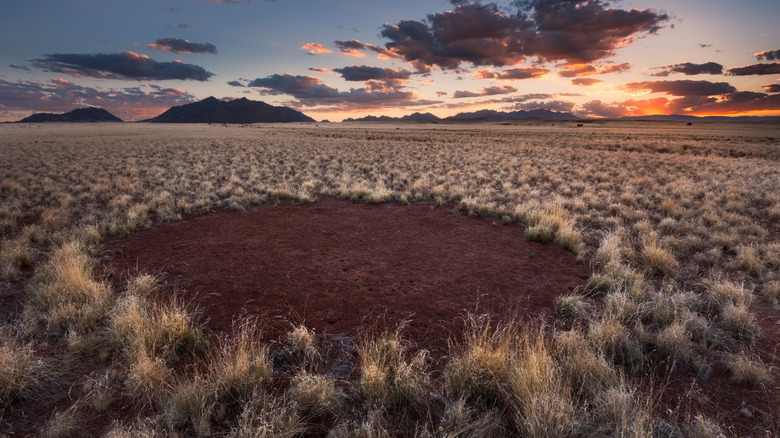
(680, 223)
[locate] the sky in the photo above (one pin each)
(334, 59)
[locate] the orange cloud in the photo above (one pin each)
(315, 49)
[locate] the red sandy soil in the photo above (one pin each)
(345, 268)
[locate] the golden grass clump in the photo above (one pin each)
(480, 366)
(65, 289)
(242, 365)
(141, 326)
(542, 404)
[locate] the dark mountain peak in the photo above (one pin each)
(90, 114)
(212, 110)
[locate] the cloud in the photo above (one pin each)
(311, 91)
(769, 55)
(300, 87)
(561, 106)
(177, 45)
(61, 95)
(20, 67)
(772, 88)
(235, 84)
(125, 65)
(487, 91)
(552, 30)
(513, 73)
(586, 82)
(756, 69)
(315, 49)
(180, 26)
(366, 73)
(320, 70)
(681, 88)
(356, 48)
(704, 46)
(690, 69)
(574, 70)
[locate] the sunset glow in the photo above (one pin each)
(353, 58)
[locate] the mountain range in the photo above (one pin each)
(212, 110)
(77, 115)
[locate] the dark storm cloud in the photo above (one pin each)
(690, 69)
(756, 69)
(311, 91)
(682, 88)
(300, 87)
(772, 88)
(364, 73)
(60, 95)
(177, 45)
(513, 73)
(552, 30)
(769, 55)
(125, 65)
(487, 91)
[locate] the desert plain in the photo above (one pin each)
(537, 278)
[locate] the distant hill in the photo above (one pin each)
(212, 110)
(416, 117)
(500, 116)
(77, 115)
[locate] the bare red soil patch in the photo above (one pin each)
(343, 268)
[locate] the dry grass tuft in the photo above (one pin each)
(66, 291)
(390, 376)
(745, 369)
(480, 366)
(542, 404)
(314, 395)
(23, 372)
(572, 306)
